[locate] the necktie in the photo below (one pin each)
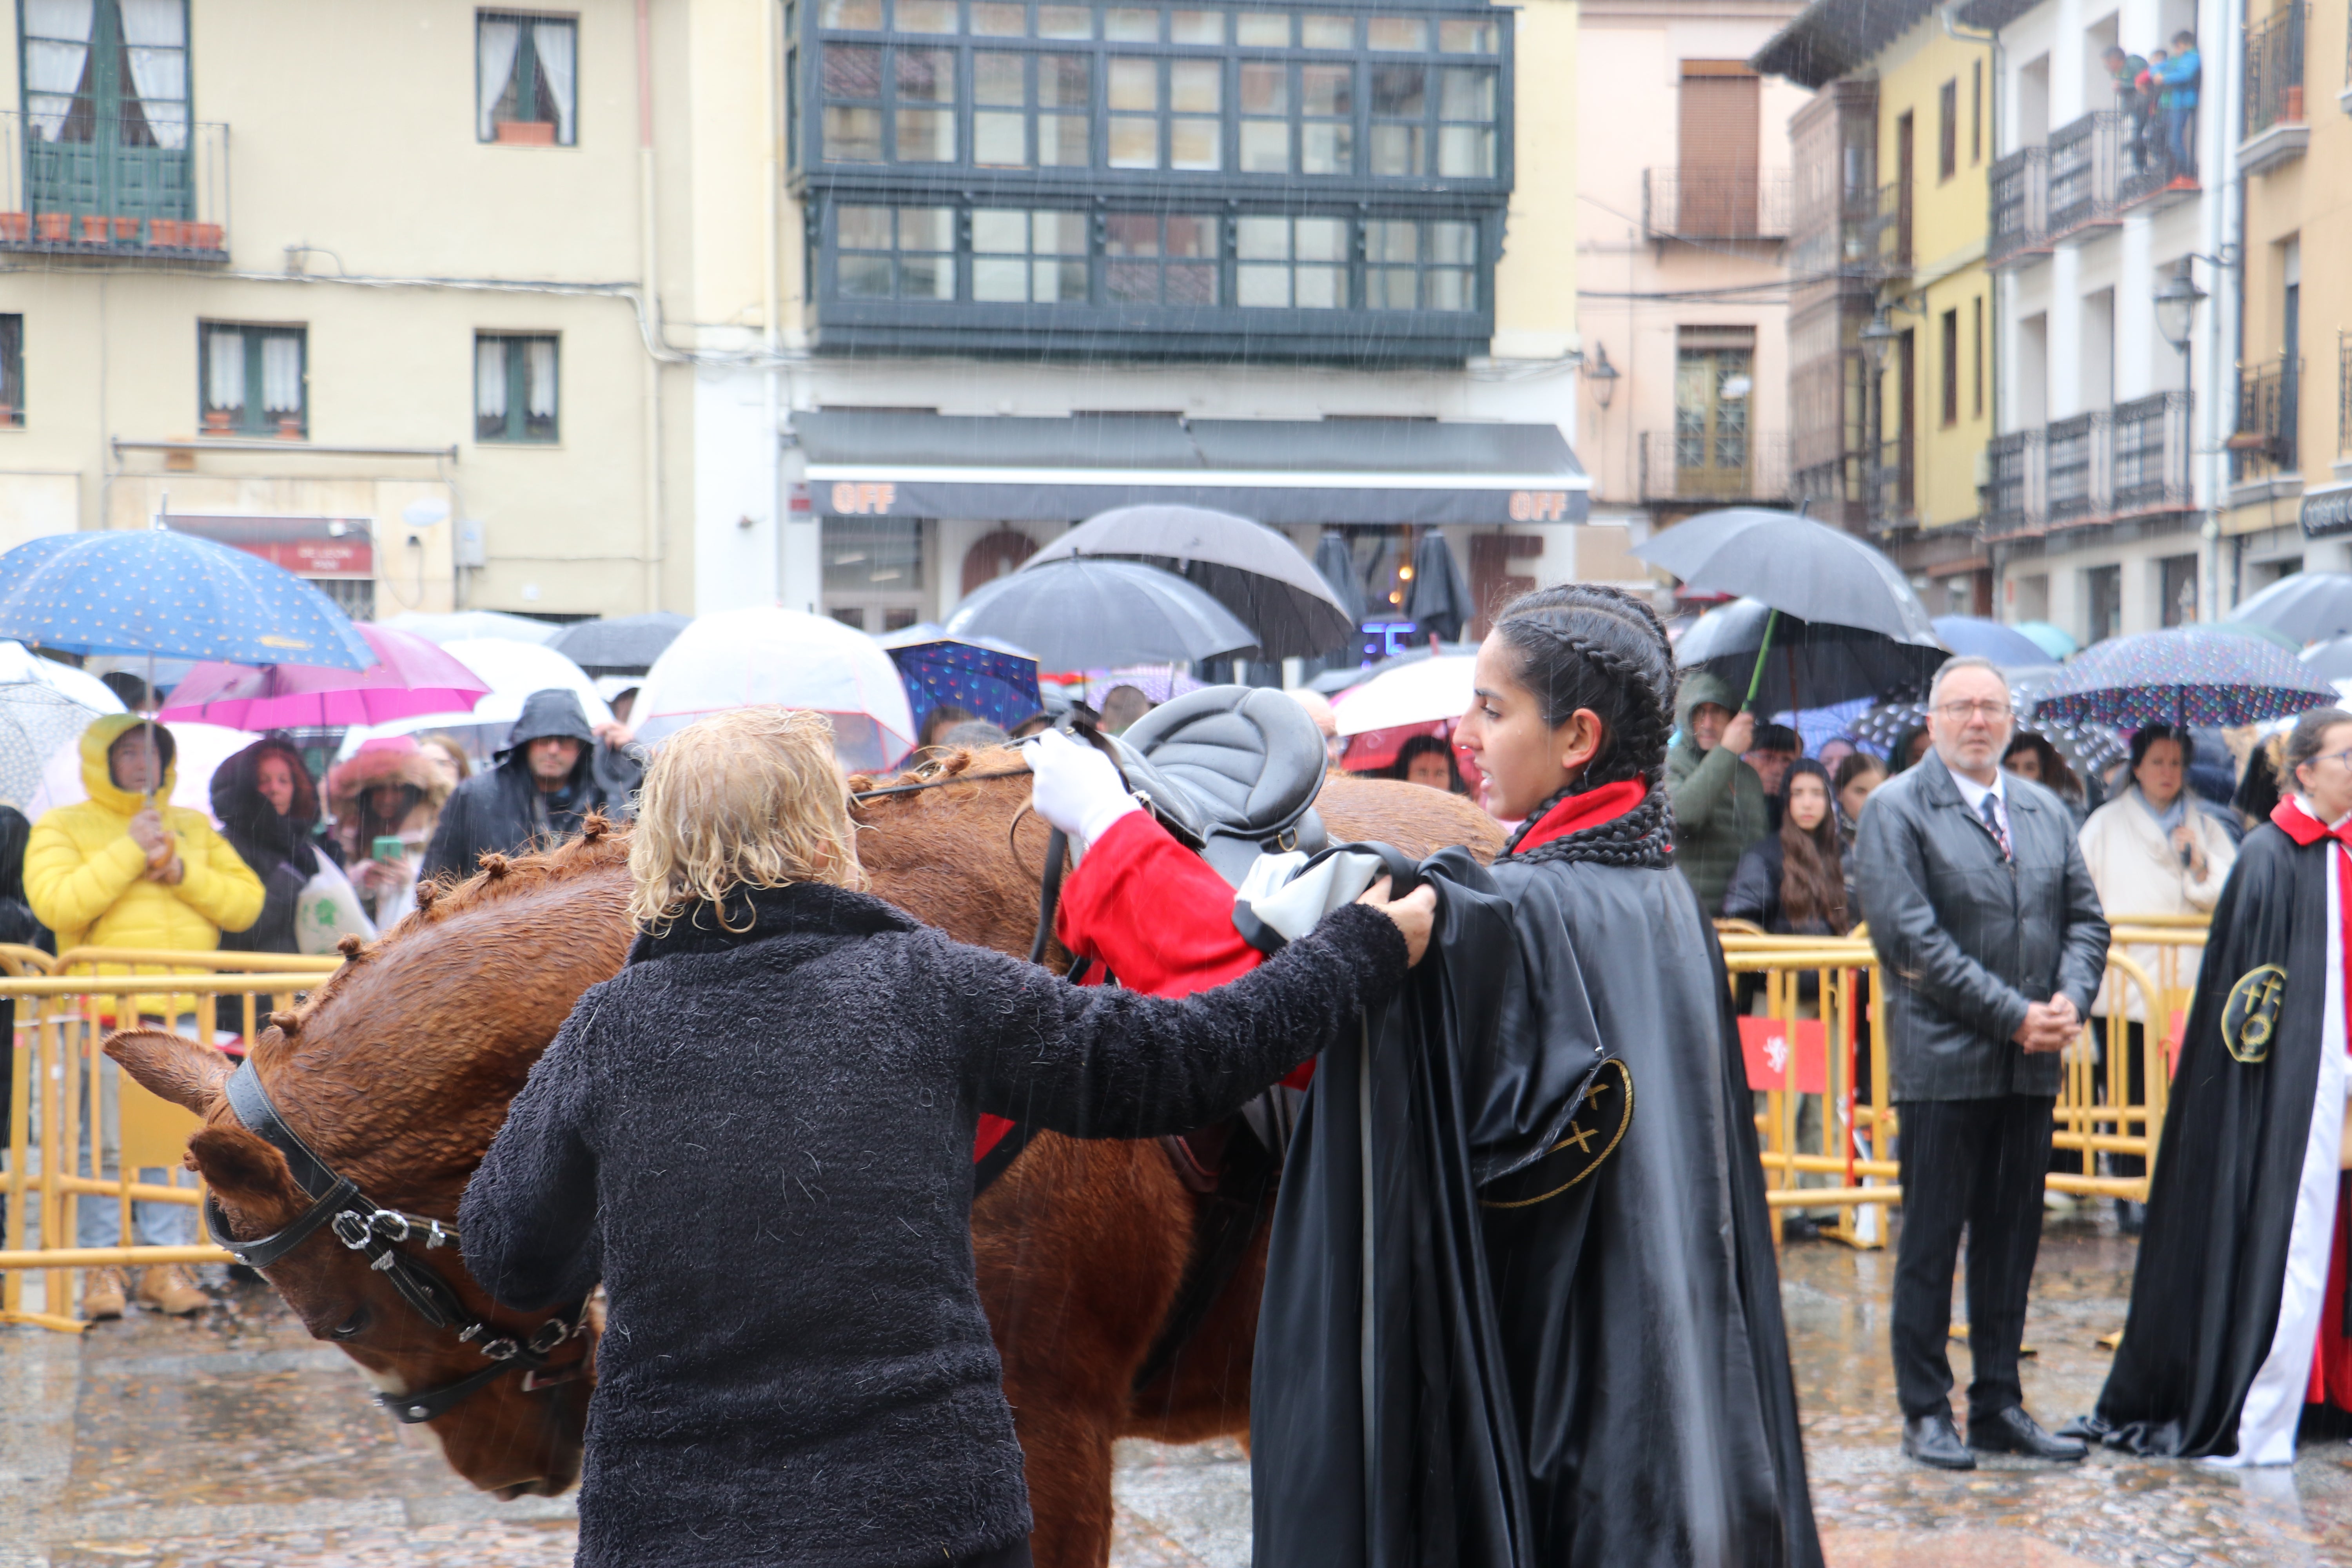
(1990, 812)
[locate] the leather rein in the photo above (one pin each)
(365, 1226)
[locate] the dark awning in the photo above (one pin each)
(891, 463)
(1831, 38)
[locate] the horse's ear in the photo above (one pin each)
(173, 1067)
(249, 1174)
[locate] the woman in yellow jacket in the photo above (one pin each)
(118, 871)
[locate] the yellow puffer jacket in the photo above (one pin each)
(85, 875)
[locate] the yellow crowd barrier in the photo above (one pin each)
(63, 1010)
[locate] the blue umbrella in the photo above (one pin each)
(2051, 640)
(169, 595)
(985, 678)
(1981, 638)
(2184, 675)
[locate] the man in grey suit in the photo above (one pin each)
(1992, 944)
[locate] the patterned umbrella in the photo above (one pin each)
(2089, 749)
(990, 679)
(166, 594)
(2182, 675)
(36, 721)
(410, 677)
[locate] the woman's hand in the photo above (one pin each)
(2185, 840)
(1414, 914)
(1076, 787)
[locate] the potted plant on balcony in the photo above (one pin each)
(16, 226)
(202, 235)
(55, 227)
(524, 132)
(289, 427)
(165, 232)
(126, 231)
(95, 228)
(219, 422)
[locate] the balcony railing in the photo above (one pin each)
(2275, 70)
(2149, 442)
(72, 185)
(1893, 228)
(2131, 461)
(1683, 203)
(2014, 501)
(2264, 443)
(2020, 189)
(2075, 460)
(1672, 470)
(2083, 165)
(1895, 497)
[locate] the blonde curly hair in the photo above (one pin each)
(749, 798)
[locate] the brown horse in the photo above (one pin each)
(398, 1070)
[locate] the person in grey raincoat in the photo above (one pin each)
(546, 782)
(1718, 799)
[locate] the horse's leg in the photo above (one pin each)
(1079, 1249)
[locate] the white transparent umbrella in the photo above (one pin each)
(198, 751)
(744, 658)
(18, 662)
(1418, 693)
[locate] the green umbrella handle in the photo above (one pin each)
(1756, 681)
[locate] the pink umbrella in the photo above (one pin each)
(409, 676)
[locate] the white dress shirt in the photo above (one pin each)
(1972, 794)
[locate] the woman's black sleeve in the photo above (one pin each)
(1750, 896)
(527, 1222)
(1102, 1062)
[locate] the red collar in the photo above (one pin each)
(2305, 830)
(1589, 809)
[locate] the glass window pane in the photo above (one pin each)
(852, 135)
(926, 76)
(1401, 91)
(864, 277)
(993, 229)
(1262, 238)
(853, 70)
(1063, 81)
(1388, 289)
(1396, 149)
(927, 277)
(1263, 30)
(1262, 285)
(1196, 86)
(927, 136)
(926, 15)
(1320, 288)
(1449, 289)
(1388, 32)
(1466, 37)
(1468, 94)
(1134, 142)
(1062, 142)
(1391, 241)
(862, 228)
(1453, 242)
(1328, 32)
(1131, 234)
(1466, 152)
(999, 21)
(1322, 239)
(1195, 143)
(1000, 279)
(861, 15)
(926, 228)
(1327, 90)
(1266, 147)
(1000, 141)
(1191, 236)
(1196, 27)
(1132, 282)
(1065, 22)
(999, 79)
(1058, 233)
(1134, 84)
(1131, 25)
(1327, 149)
(1265, 88)
(1190, 285)
(1056, 281)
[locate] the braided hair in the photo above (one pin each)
(1579, 646)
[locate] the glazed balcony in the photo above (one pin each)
(128, 190)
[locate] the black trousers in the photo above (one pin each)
(1016, 1555)
(1978, 1164)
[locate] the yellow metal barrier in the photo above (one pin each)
(60, 1021)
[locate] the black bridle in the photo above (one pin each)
(364, 1227)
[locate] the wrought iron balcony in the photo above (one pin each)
(2014, 501)
(2268, 396)
(2082, 168)
(2148, 440)
(137, 188)
(1683, 203)
(2075, 461)
(1695, 469)
(2131, 461)
(2019, 189)
(1893, 229)
(2274, 130)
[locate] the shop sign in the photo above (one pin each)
(306, 546)
(2327, 512)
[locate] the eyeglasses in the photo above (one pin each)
(1961, 713)
(2342, 757)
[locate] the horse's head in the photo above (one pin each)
(397, 1073)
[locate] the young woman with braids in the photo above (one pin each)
(1555, 1338)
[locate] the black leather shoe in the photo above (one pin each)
(1933, 1440)
(2014, 1432)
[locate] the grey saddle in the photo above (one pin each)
(1232, 771)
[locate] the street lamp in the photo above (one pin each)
(2176, 309)
(1603, 377)
(1878, 335)
(2176, 318)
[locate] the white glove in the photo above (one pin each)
(1076, 787)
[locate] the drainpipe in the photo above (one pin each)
(771, 428)
(2225, 227)
(649, 270)
(1992, 41)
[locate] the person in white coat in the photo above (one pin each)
(2153, 850)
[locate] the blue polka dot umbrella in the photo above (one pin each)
(987, 679)
(2183, 675)
(169, 595)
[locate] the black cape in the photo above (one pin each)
(2221, 1210)
(1597, 1375)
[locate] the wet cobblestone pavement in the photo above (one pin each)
(234, 1441)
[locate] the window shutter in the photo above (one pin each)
(1721, 135)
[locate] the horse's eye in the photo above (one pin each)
(350, 1326)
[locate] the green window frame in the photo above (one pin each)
(1031, 257)
(253, 380)
(527, 74)
(1291, 263)
(1161, 259)
(518, 387)
(12, 371)
(1412, 265)
(894, 253)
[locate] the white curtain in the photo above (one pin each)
(56, 49)
(554, 43)
(490, 378)
(227, 370)
(282, 376)
(538, 371)
(498, 42)
(155, 37)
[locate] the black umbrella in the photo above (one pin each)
(1807, 664)
(627, 646)
(2306, 605)
(1440, 600)
(1082, 613)
(1245, 566)
(1795, 565)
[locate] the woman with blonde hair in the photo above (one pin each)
(758, 1136)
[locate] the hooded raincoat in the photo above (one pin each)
(1718, 799)
(278, 850)
(504, 811)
